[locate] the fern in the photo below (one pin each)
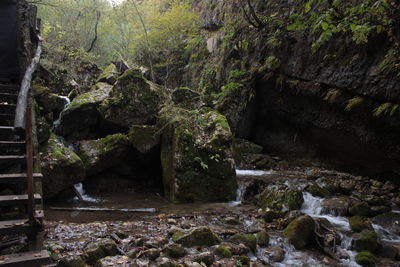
(354, 102)
(332, 95)
(394, 109)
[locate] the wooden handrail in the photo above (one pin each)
(20, 113)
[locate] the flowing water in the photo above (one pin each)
(67, 102)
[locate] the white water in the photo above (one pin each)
(252, 172)
(85, 197)
(67, 102)
(239, 195)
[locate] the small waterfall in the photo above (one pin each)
(252, 173)
(85, 197)
(67, 102)
(239, 195)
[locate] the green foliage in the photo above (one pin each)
(272, 62)
(354, 102)
(359, 19)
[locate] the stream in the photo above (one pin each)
(65, 228)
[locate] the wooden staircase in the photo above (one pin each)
(16, 172)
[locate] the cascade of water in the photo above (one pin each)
(85, 197)
(252, 172)
(67, 102)
(239, 195)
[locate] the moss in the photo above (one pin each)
(130, 74)
(39, 89)
(361, 209)
(177, 235)
(262, 238)
(202, 236)
(223, 251)
(174, 251)
(111, 141)
(232, 86)
(248, 239)
(366, 258)
(318, 191)
(73, 94)
(358, 223)
(243, 260)
(278, 197)
(300, 231)
(366, 240)
(237, 75)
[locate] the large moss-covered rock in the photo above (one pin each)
(186, 98)
(82, 113)
(366, 240)
(196, 156)
(109, 74)
(102, 154)
(202, 236)
(144, 137)
(300, 231)
(61, 167)
(280, 198)
(133, 101)
(358, 223)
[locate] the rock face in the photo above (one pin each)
(280, 197)
(133, 101)
(102, 154)
(109, 75)
(144, 138)
(82, 113)
(61, 167)
(300, 231)
(196, 156)
(301, 95)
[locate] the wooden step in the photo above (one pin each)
(12, 159)
(15, 227)
(7, 133)
(8, 144)
(26, 259)
(12, 148)
(16, 200)
(14, 178)
(7, 108)
(9, 87)
(8, 98)
(7, 119)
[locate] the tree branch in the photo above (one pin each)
(95, 31)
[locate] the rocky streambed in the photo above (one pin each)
(287, 217)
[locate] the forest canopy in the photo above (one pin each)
(146, 33)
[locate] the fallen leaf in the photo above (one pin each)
(37, 255)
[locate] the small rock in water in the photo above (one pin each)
(361, 209)
(201, 236)
(174, 251)
(336, 206)
(206, 257)
(388, 251)
(389, 221)
(262, 238)
(366, 240)
(248, 239)
(366, 258)
(275, 254)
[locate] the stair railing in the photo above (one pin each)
(23, 125)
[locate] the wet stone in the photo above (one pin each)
(122, 261)
(300, 231)
(202, 236)
(361, 209)
(71, 261)
(174, 251)
(336, 206)
(366, 240)
(248, 239)
(275, 254)
(206, 257)
(262, 238)
(388, 251)
(389, 221)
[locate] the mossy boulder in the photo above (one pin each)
(186, 98)
(242, 146)
(206, 257)
(100, 249)
(358, 223)
(43, 130)
(82, 113)
(174, 251)
(49, 102)
(109, 74)
(318, 191)
(61, 167)
(366, 240)
(262, 238)
(196, 156)
(102, 154)
(280, 198)
(144, 137)
(223, 252)
(133, 101)
(366, 258)
(71, 261)
(249, 240)
(202, 236)
(300, 231)
(361, 209)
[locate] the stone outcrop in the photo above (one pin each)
(61, 167)
(196, 156)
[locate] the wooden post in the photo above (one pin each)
(29, 163)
